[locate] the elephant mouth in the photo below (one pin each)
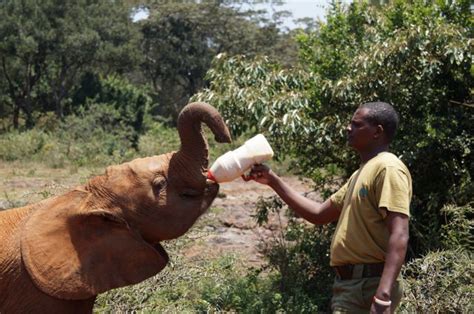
(212, 187)
(161, 251)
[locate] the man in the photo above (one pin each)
(372, 209)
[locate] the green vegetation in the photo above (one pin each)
(180, 40)
(440, 282)
(418, 57)
(415, 55)
(52, 51)
(83, 87)
(48, 46)
(181, 287)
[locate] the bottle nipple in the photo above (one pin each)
(210, 176)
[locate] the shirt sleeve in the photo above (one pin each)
(338, 198)
(393, 190)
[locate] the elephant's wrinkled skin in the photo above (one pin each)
(57, 255)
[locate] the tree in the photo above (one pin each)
(128, 103)
(180, 40)
(414, 55)
(258, 95)
(48, 45)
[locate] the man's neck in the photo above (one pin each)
(367, 155)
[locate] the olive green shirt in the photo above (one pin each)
(361, 236)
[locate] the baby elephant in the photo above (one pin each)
(58, 254)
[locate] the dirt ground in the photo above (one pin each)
(231, 227)
(228, 227)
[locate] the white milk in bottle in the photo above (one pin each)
(234, 163)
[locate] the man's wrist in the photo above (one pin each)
(273, 180)
(382, 295)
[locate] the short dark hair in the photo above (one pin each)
(384, 114)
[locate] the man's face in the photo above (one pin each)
(360, 132)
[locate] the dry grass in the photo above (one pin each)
(29, 182)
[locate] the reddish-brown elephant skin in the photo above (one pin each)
(57, 255)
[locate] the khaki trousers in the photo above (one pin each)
(356, 295)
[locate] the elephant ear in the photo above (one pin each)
(74, 255)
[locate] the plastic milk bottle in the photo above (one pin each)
(234, 163)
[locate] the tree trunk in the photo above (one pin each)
(16, 114)
(29, 122)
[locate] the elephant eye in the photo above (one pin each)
(159, 184)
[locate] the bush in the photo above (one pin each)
(158, 139)
(457, 231)
(300, 255)
(96, 136)
(440, 282)
(298, 278)
(255, 292)
(129, 103)
(22, 145)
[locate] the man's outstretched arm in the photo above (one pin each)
(310, 210)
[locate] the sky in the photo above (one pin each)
(299, 8)
(315, 9)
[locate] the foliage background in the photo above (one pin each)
(84, 86)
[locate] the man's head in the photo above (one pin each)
(373, 124)
(382, 113)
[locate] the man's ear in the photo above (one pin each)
(379, 132)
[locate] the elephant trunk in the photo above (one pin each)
(193, 142)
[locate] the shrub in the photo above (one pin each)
(129, 103)
(96, 136)
(457, 231)
(22, 145)
(300, 255)
(255, 292)
(439, 282)
(158, 139)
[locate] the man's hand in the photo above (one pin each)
(379, 309)
(260, 173)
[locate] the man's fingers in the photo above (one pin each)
(259, 168)
(246, 178)
(252, 175)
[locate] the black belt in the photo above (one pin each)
(347, 272)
